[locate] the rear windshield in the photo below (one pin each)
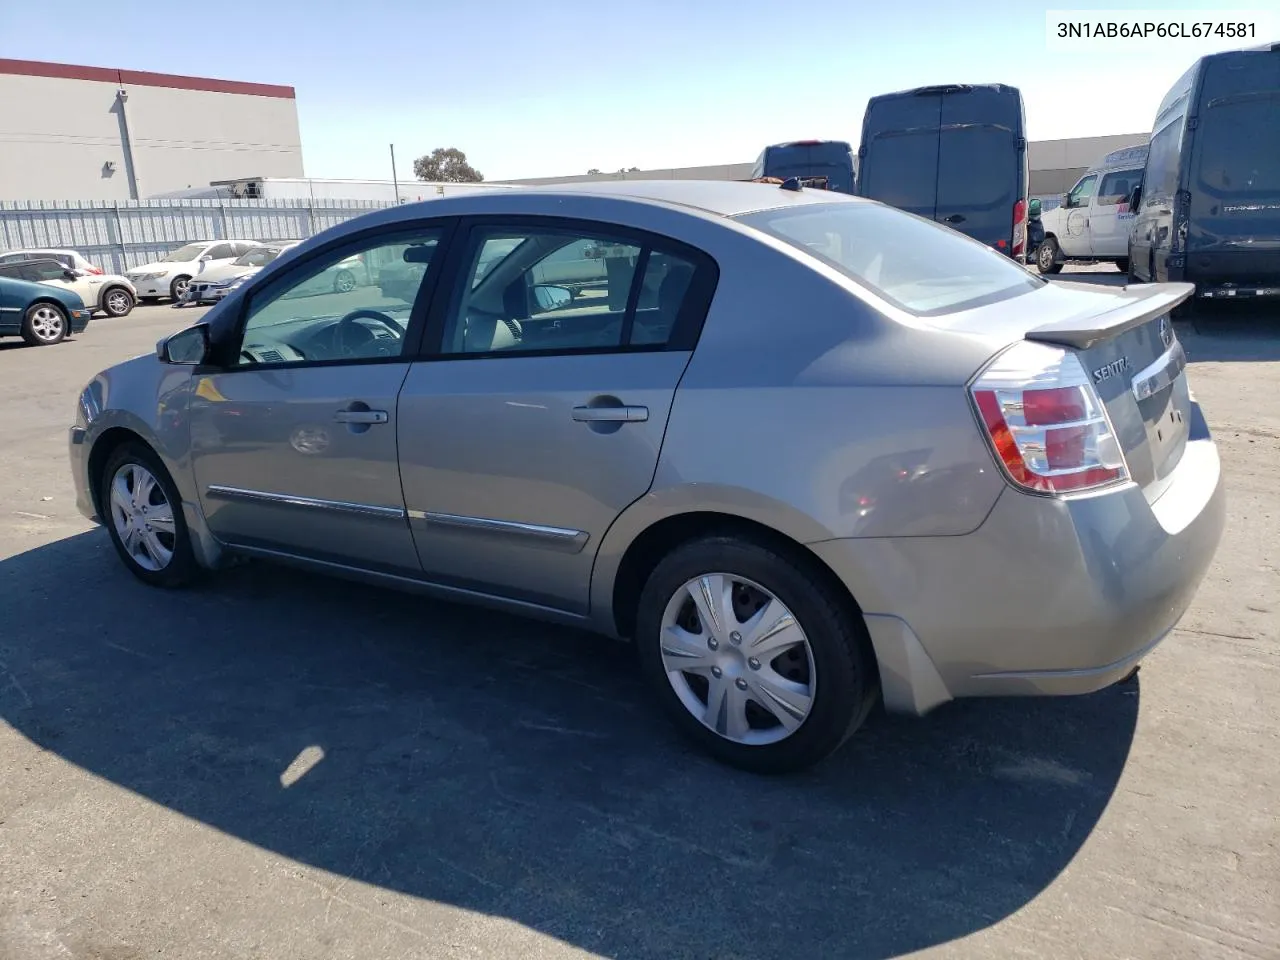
(915, 264)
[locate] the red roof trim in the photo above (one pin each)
(141, 78)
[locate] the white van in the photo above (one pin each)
(1093, 222)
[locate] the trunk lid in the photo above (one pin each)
(1125, 340)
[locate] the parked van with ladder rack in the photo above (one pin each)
(1208, 209)
(955, 153)
(1092, 223)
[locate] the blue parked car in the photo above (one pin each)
(39, 313)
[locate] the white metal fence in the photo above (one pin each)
(117, 235)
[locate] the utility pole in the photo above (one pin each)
(394, 179)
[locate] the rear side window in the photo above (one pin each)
(1161, 179)
(916, 265)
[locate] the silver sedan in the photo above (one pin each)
(803, 450)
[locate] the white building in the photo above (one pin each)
(93, 133)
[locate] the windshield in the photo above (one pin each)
(191, 251)
(258, 257)
(916, 265)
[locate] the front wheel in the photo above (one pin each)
(1047, 256)
(44, 325)
(344, 281)
(117, 302)
(143, 514)
(750, 656)
(178, 288)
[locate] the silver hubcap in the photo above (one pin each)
(346, 283)
(738, 659)
(180, 287)
(143, 517)
(118, 301)
(47, 323)
(1046, 256)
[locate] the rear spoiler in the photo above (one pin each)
(1140, 305)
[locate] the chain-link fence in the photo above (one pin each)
(118, 235)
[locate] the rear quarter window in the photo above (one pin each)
(913, 263)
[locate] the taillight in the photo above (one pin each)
(1046, 423)
(1019, 228)
(96, 271)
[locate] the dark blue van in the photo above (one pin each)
(955, 153)
(1208, 210)
(818, 163)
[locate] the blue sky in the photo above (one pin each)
(545, 88)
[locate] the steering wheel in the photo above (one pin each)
(344, 327)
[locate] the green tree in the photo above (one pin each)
(446, 165)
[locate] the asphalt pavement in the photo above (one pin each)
(279, 765)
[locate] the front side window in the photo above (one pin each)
(184, 254)
(564, 291)
(1116, 187)
(42, 270)
(327, 310)
(915, 264)
(1081, 192)
(258, 257)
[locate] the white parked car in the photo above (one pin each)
(216, 282)
(109, 293)
(1092, 223)
(71, 259)
(169, 276)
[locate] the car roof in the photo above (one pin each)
(726, 198)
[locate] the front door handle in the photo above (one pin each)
(611, 414)
(361, 416)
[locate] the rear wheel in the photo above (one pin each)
(117, 302)
(750, 657)
(143, 513)
(44, 324)
(1047, 256)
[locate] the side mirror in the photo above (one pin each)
(551, 297)
(1066, 201)
(206, 258)
(70, 275)
(188, 347)
(1135, 198)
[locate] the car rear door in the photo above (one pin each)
(540, 417)
(978, 164)
(899, 153)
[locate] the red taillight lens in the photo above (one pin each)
(1019, 228)
(1046, 423)
(96, 271)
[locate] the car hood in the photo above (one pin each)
(226, 271)
(157, 267)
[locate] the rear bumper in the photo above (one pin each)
(1047, 597)
(1232, 274)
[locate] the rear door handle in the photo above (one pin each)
(361, 416)
(611, 414)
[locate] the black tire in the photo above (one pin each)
(182, 568)
(344, 281)
(179, 284)
(844, 671)
(116, 302)
(44, 324)
(1047, 259)
(1122, 264)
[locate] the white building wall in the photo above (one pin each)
(63, 138)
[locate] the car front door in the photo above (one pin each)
(539, 415)
(293, 431)
(1074, 241)
(1110, 218)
